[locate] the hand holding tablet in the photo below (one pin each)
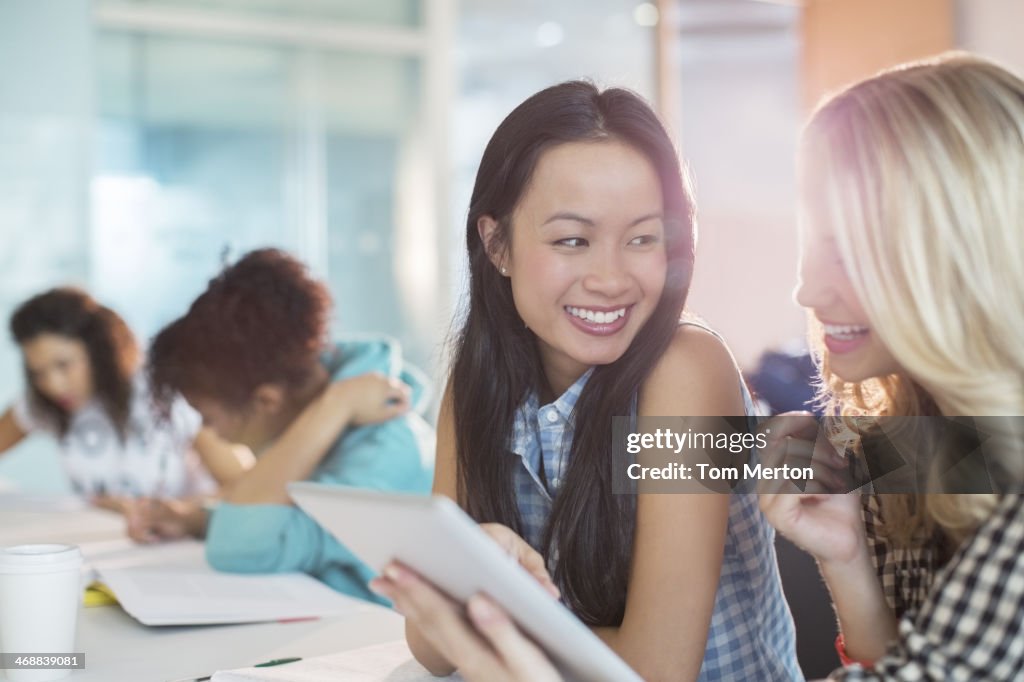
(490, 649)
(435, 538)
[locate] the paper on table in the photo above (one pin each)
(391, 662)
(201, 596)
(47, 519)
(15, 500)
(172, 585)
(122, 553)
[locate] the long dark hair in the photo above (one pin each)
(112, 349)
(262, 319)
(495, 358)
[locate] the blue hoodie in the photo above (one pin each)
(394, 455)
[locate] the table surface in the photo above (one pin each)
(120, 649)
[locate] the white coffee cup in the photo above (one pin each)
(40, 595)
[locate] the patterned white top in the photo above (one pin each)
(156, 457)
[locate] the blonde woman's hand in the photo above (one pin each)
(827, 526)
(371, 398)
(480, 641)
(824, 517)
(795, 440)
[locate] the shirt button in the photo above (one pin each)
(552, 416)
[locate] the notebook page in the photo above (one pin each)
(390, 662)
(200, 595)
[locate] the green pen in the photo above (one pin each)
(277, 661)
(265, 664)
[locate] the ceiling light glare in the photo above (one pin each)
(646, 14)
(549, 34)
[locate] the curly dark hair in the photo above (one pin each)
(112, 348)
(262, 320)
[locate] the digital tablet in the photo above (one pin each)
(436, 538)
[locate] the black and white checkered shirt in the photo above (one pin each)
(905, 572)
(971, 624)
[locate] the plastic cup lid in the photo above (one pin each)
(39, 558)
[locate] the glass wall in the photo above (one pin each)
(363, 12)
(190, 163)
(45, 134)
(211, 146)
(206, 128)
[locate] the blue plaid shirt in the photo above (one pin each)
(751, 635)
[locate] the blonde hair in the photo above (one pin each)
(920, 172)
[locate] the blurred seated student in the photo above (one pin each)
(253, 357)
(85, 388)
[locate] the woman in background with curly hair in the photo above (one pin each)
(84, 388)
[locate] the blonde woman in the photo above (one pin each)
(913, 236)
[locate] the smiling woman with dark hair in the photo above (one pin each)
(580, 237)
(84, 387)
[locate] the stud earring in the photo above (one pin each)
(504, 271)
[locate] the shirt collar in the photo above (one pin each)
(566, 402)
(525, 422)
